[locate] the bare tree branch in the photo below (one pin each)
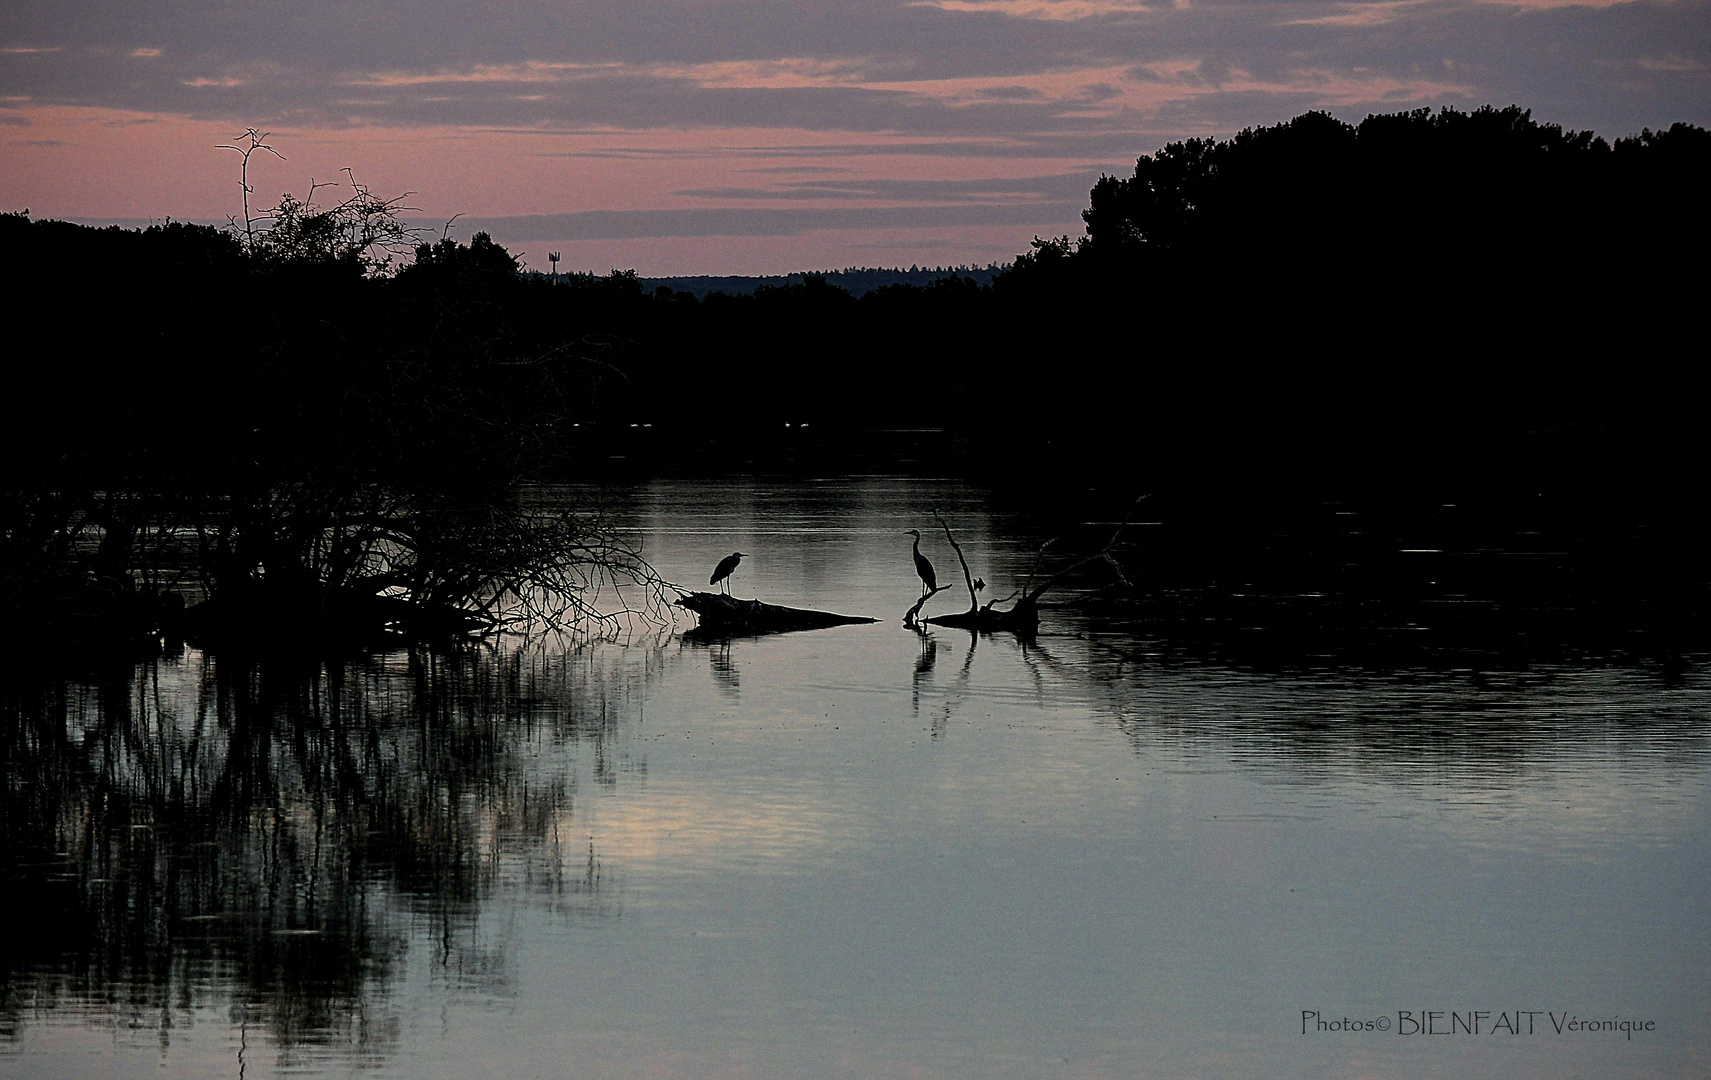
(1023, 617)
(1102, 555)
(911, 618)
(253, 142)
(973, 599)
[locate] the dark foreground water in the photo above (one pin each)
(858, 852)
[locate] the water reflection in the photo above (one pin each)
(195, 830)
(864, 851)
(923, 669)
(724, 668)
(946, 698)
(1386, 720)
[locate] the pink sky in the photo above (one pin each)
(747, 136)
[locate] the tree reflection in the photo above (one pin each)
(1473, 712)
(195, 831)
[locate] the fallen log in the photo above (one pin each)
(1022, 619)
(720, 613)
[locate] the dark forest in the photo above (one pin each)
(1424, 306)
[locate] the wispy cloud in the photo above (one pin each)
(1051, 10)
(740, 221)
(887, 93)
(954, 67)
(1065, 188)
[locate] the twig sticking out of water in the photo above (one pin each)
(912, 617)
(973, 597)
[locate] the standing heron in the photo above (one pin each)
(928, 579)
(723, 570)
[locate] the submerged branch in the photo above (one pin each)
(973, 598)
(1104, 554)
(1024, 616)
(912, 617)
(416, 567)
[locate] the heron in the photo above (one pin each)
(723, 570)
(929, 579)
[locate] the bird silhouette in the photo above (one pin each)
(723, 570)
(922, 566)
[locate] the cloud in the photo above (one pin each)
(1065, 188)
(962, 67)
(798, 169)
(913, 104)
(738, 221)
(1051, 10)
(1054, 145)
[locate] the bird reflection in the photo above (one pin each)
(923, 681)
(923, 668)
(725, 672)
(929, 655)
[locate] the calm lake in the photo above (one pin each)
(860, 852)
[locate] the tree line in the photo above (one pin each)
(1425, 301)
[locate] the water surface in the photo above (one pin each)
(859, 852)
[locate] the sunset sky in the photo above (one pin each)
(755, 136)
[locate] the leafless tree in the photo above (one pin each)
(1023, 615)
(252, 140)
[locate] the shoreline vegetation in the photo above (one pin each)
(314, 425)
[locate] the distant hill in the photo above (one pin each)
(858, 281)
